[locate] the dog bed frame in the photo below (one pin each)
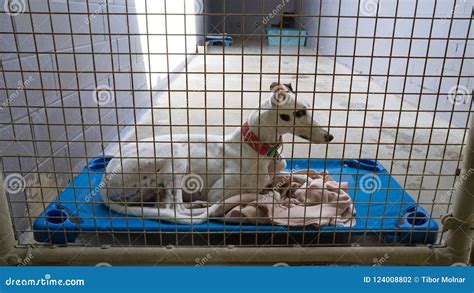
(214, 39)
(384, 211)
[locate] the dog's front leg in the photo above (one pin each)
(173, 195)
(276, 166)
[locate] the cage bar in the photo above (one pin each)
(85, 84)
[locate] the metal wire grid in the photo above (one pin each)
(75, 162)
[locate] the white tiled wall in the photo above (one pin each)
(418, 42)
(451, 20)
(60, 87)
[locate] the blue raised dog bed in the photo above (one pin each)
(219, 39)
(384, 210)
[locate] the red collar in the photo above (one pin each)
(254, 142)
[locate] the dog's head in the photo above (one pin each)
(295, 115)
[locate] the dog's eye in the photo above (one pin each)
(285, 117)
(300, 113)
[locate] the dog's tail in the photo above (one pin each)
(179, 215)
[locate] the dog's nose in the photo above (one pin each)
(329, 137)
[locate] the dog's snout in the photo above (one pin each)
(329, 137)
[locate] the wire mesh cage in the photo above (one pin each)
(205, 124)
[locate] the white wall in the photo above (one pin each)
(52, 122)
(23, 52)
(403, 61)
(252, 24)
(310, 20)
(168, 34)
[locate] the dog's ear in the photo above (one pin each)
(290, 88)
(273, 85)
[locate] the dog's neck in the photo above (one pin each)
(261, 147)
(263, 124)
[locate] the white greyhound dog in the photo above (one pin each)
(155, 170)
